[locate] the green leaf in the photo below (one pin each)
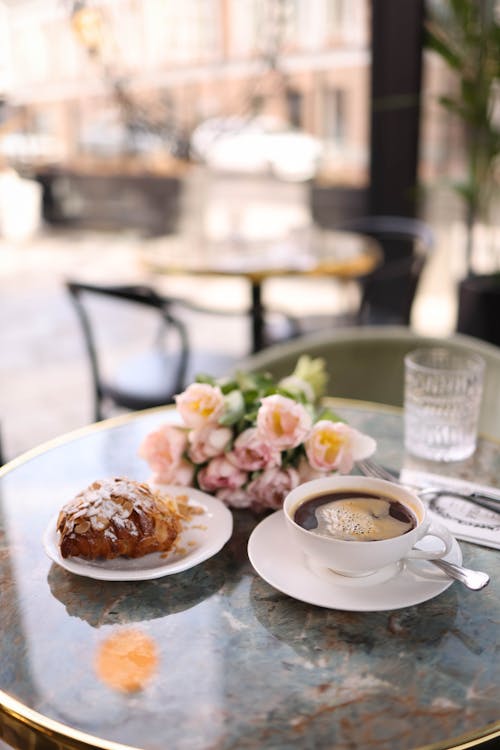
(259, 381)
(294, 395)
(439, 45)
(227, 386)
(203, 377)
(291, 457)
(329, 414)
(250, 418)
(313, 371)
(453, 105)
(234, 408)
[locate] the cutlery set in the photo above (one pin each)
(472, 579)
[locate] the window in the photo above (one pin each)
(335, 115)
(294, 107)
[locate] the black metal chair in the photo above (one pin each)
(386, 294)
(161, 362)
(389, 291)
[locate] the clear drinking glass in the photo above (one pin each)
(443, 391)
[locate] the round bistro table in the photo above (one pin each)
(341, 255)
(241, 665)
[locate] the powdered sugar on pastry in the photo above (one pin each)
(121, 517)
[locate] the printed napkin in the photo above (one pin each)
(464, 519)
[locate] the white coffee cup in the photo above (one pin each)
(359, 557)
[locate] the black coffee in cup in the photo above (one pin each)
(355, 516)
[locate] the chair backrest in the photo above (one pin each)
(136, 295)
(367, 363)
(394, 227)
(388, 292)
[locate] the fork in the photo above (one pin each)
(473, 579)
(372, 469)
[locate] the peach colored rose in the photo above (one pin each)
(238, 498)
(282, 422)
(221, 474)
(271, 487)
(200, 404)
(251, 453)
(163, 449)
(336, 446)
(207, 442)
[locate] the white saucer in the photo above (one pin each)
(285, 568)
(205, 535)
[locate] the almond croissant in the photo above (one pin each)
(117, 518)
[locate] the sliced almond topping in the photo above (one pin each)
(82, 527)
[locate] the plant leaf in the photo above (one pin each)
(329, 414)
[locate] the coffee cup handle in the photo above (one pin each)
(440, 532)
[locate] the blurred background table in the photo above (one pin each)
(342, 255)
(241, 665)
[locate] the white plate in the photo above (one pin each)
(284, 567)
(202, 538)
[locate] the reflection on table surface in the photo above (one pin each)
(239, 664)
(315, 252)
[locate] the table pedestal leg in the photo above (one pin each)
(257, 312)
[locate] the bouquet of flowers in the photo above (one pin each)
(250, 440)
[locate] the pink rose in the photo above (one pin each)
(200, 404)
(282, 422)
(207, 442)
(220, 474)
(182, 474)
(336, 446)
(270, 488)
(251, 453)
(163, 449)
(238, 498)
(306, 471)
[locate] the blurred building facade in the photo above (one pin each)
(69, 70)
(125, 82)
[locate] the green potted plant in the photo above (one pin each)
(466, 35)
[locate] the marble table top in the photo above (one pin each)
(240, 665)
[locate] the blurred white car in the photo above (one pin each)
(258, 145)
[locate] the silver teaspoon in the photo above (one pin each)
(473, 579)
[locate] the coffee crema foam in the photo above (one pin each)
(360, 518)
(350, 516)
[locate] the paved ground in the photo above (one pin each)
(44, 380)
